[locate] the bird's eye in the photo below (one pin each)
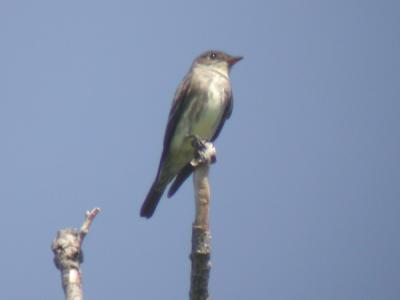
(213, 55)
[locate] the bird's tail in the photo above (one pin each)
(153, 197)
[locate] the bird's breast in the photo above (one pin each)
(203, 114)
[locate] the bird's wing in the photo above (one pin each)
(178, 105)
(188, 169)
(227, 113)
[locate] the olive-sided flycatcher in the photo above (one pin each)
(202, 103)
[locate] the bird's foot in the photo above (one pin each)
(205, 152)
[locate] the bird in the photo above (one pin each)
(201, 105)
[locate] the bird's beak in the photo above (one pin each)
(234, 59)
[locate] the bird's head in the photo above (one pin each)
(217, 59)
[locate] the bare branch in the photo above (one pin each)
(201, 236)
(68, 255)
(90, 215)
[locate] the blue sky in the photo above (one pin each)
(305, 194)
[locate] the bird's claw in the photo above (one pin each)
(205, 152)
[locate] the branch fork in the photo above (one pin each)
(68, 256)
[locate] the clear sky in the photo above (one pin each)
(306, 190)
